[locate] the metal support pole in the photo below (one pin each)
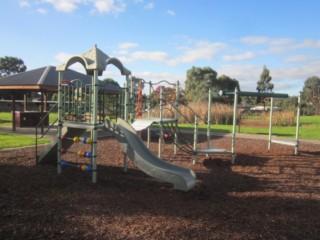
(298, 125)
(233, 148)
(94, 122)
(161, 127)
(131, 97)
(149, 110)
(209, 120)
(176, 117)
(195, 138)
(126, 101)
(59, 122)
(270, 125)
(125, 163)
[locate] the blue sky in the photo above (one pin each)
(162, 39)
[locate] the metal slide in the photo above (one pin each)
(132, 145)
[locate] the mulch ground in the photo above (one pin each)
(265, 195)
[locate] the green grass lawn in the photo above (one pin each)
(8, 140)
(310, 129)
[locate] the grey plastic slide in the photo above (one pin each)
(182, 178)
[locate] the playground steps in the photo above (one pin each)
(49, 154)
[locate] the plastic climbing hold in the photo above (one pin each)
(84, 140)
(80, 153)
(89, 154)
(88, 168)
(84, 167)
(79, 166)
(89, 140)
(63, 150)
(76, 139)
(64, 163)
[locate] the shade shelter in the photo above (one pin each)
(42, 80)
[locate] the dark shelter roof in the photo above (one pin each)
(45, 79)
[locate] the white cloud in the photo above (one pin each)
(149, 6)
(100, 6)
(254, 40)
(42, 11)
(158, 76)
(199, 50)
(62, 57)
(110, 6)
(287, 79)
(154, 56)
(127, 45)
(64, 5)
(240, 57)
(171, 12)
(24, 4)
(296, 58)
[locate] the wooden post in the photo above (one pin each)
(25, 101)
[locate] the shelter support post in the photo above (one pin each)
(13, 97)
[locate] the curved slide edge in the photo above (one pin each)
(182, 178)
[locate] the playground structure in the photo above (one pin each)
(83, 106)
(237, 94)
(170, 125)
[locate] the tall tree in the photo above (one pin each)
(111, 81)
(198, 81)
(264, 84)
(311, 88)
(227, 83)
(311, 95)
(11, 65)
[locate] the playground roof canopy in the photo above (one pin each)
(45, 79)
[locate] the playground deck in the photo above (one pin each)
(265, 195)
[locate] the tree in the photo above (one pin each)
(311, 89)
(225, 83)
(197, 83)
(311, 94)
(11, 65)
(264, 85)
(111, 81)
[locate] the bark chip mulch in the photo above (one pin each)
(267, 194)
